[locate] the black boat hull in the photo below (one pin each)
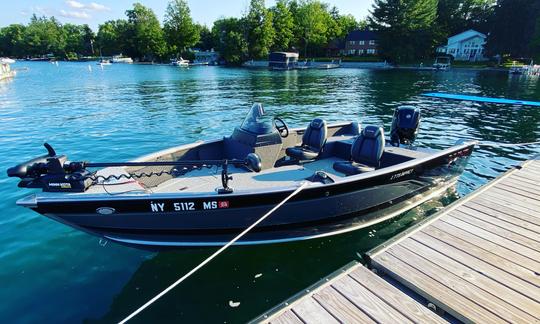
(153, 222)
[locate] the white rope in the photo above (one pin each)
(223, 248)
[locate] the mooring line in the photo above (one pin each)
(223, 248)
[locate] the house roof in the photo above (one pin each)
(357, 35)
(465, 36)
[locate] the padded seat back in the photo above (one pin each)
(315, 135)
(368, 147)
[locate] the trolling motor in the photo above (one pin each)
(405, 125)
(53, 173)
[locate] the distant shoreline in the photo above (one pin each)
(346, 65)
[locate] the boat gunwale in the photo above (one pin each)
(54, 197)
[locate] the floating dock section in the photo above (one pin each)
(478, 260)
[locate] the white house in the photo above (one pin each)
(466, 46)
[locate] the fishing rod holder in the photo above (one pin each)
(53, 173)
(225, 177)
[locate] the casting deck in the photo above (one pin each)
(478, 260)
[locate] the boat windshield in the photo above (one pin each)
(257, 121)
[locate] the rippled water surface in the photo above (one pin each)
(54, 273)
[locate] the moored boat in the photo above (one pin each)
(5, 68)
(328, 66)
(355, 177)
(103, 62)
(180, 62)
(442, 63)
(121, 59)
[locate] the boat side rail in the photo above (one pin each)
(54, 173)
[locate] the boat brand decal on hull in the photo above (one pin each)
(401, 174)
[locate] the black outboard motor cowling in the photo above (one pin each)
(51, 173)
(405, 125)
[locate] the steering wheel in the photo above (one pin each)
(281, 127)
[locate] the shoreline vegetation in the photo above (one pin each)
(409, 32)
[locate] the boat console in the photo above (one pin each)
(258, 135)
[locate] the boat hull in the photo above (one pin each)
(153, 222)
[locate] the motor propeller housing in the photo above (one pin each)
(405, 124)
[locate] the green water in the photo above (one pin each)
(52, 273)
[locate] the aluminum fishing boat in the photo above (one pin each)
(205, 193)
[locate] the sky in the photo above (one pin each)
(95, 12)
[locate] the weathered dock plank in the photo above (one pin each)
(353, 294)
(479, 258)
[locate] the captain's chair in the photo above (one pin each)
(312, 142)
(366, 152)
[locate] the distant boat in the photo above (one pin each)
(441, 63)
(5, 68)
(122, 59)
(104, 62)
(180, 62)
(331, 65)
(523, 69)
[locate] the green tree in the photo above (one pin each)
(534, 45)
(12, 40)
(230, 39)
(180, 31)
(405, 28)
(258, 29)
(112, 37)
(333, 28)
(283, 23)
(43, 36)
(145, 34)
(347, 24)
(514, 25)
(88, 39)
(456, 16)
(207, 40)
(311, 24)
(79, 40)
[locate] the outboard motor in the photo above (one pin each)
(405, 125)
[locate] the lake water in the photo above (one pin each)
(52, 273)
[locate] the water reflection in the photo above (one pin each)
(257, 277)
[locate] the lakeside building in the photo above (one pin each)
(361, 42)
(466, 46)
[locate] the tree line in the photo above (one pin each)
(407, 29)
(411, 29)
(304, 25)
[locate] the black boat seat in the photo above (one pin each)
(366, 152)
(313, 142)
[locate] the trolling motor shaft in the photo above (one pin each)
(53, 172)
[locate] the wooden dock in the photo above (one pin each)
(478, 260)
